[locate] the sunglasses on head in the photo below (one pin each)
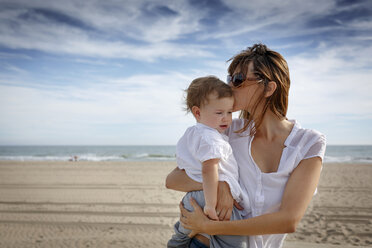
(238, 79)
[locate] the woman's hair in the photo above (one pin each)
(200, 89)
(269, 66)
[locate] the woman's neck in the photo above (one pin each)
(273, 127)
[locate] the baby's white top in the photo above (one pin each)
(201, 143)
(265, 190)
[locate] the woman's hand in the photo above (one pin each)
(196, 220)
(225, 201)
(178, 180)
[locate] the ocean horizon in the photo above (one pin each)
(334, 153)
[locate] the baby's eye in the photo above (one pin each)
(219, 113)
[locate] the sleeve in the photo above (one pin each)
(208, 149)
(317, 147)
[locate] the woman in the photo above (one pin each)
(279, 161)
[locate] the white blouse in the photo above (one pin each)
(265, 190)
(201, 143)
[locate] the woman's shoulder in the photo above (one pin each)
(308, 143)
(301, 137)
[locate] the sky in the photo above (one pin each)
(113, 72)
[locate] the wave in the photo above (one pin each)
(91, 157)
(59, 158)
(149, 156)
(33, 158)
(334, 154)
(153, 157)
(347, 159)
(161, 156)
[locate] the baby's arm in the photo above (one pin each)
(210, 184)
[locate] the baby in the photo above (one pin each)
(206, 155)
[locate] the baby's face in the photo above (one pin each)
(217, 113)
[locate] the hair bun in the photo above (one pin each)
(260, 49)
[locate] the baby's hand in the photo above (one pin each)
(211, 212)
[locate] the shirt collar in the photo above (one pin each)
(202, 126)
(293, 132)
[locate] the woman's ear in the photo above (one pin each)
(196, 112)
(271, 87)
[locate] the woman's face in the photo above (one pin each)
(246, 95)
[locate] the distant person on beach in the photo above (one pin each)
(206, 155)
(279, 161)
(73, 159)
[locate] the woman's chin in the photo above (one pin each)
(237, 108)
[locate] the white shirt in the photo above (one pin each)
(201, 143)
(265, 190)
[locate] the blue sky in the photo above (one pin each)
(112, 72)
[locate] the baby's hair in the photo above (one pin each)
(200, 88)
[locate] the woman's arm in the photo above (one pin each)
(297, 196)
(178, 180)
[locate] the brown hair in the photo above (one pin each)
(200, 88)
(269, 66)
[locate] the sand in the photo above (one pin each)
(125, 204)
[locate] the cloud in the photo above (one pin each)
(12, 56)
(87, 67)
(149, 30)
(152, 100)
(332, 82)
(14, 69)
(254, 17)
(43, 15)
(78, 43)
(140, 31)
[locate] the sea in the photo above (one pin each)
(334, 153)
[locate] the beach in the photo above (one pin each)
(126, 204)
